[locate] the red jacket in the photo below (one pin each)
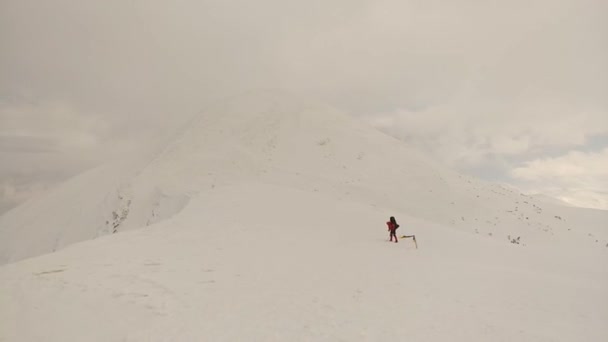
(391, 226)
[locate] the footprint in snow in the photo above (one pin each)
(49, 272)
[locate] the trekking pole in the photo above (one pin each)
(413, 238)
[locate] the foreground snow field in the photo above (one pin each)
(301, 266)
(264, 221)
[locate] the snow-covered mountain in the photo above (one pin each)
(265, 221)
(273, 139)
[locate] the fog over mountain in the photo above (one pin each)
(509, 92)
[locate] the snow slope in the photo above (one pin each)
(301, 266)
(265, 222)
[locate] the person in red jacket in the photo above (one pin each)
(392, 228)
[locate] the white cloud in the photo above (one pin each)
(42, 144)
(578, 178)
(11, 194)
(54, 123)
(473, 83)
(466, 136)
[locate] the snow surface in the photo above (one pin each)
(264, 221)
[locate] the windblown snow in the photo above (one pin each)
(264, 220)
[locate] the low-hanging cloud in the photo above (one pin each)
(481, 85)
(577, 178)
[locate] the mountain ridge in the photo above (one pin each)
(279, 139)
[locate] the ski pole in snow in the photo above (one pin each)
(413, 238)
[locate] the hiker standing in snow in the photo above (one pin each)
(392, 228)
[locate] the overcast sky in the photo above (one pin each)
(511, 91)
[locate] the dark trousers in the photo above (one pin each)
(394, 234)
